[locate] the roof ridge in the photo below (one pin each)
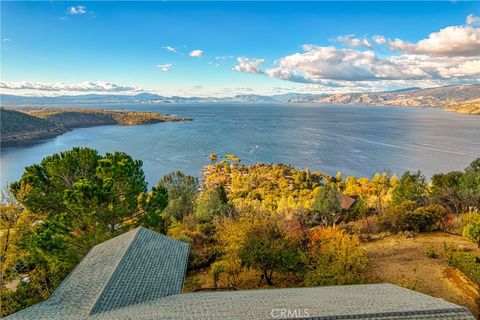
(105, 286)
(79, 265)
(152, 266)
(380, 315)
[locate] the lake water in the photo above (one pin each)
(354, 140)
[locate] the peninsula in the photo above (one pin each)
(21, 126)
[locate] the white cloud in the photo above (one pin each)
(451, 55)
(165, 67)
(77, 10)
(196, 53)
(6, 40)
(86, 86)
(450, 41)
(351, 41)
(440, 67)
(379, 39)
(171, 49)
(334, 67)
(244, 89)
(248, 65)
(472, 20)
(317, 64)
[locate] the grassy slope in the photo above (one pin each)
(18, 126)
(393, 260)
(31, 125)
(466, 107)
(15, 121)
(462, 98)
(403, 261)
(87, 117)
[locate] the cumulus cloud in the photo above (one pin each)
(450, 41)
(472, 20)
(317, 64)
(450, 55)
(334, 67)
(248, 65)
(196, 53)
(441, 67)
(351, 41)
(171, 49)
(164, 67)
(378, 39)
(86, 86)
(77, 10)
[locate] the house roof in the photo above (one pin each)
(139, 275)
(346, 201)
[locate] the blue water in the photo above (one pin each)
(351, 139)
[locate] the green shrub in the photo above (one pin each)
(468, 263)
(13, 301)
(405, 217)
(216, 269)
(431, 253)
(472, 228)
(423, 219)
(392, 219)
(334, 258)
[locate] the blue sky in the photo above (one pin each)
(225, 48)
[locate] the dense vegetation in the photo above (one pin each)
(274, 221)
(466, 107)
(86, 117)
(18, 126)
(26, 125)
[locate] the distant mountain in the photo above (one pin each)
(7, 99)
(405, 89)
(459, 98)
(440, 97)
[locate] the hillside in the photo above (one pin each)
(403, 261)
(73, 118)
(441, 97)
(459, 98)
(466, 107)
(19, 127)
(394, 259)
(27, 125)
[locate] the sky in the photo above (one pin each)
(228, 48)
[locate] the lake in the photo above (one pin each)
(356, 140)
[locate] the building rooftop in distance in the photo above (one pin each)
(140, 274)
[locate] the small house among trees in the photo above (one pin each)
(346, 202)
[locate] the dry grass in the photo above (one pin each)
(392, 259)
(404, 261)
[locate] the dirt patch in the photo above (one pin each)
(404, 261)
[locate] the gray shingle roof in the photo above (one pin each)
(139, 275)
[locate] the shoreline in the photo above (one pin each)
(27, 126)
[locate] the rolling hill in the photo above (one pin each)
(458, 98)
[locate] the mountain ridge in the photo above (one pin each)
(457, 98)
